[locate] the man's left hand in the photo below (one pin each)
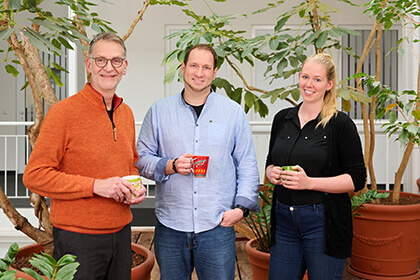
(231, 217)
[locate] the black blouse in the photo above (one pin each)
(343, 156)
(306, 147)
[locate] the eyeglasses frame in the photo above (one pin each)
(108, 59)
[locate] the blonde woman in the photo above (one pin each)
(312, 222)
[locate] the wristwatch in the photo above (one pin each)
(245, 210)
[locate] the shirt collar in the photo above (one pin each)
(181, 96)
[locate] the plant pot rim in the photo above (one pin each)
(249, 247)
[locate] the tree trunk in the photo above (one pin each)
(407, 152)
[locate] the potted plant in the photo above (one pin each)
(384, 245)
(63, 269)
(138, 272)
(258, 248)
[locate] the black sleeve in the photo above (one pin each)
(350, 152)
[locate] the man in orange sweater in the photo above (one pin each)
(86, 144)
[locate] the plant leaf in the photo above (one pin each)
(5, 34)
(11, 70)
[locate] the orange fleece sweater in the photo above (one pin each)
(76, 146)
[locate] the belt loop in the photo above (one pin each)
(314, 206)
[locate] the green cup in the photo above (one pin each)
(135, 180)
(288, 168)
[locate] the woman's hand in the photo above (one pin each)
(295, 180)
(273, 174)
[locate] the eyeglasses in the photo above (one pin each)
(101, 62)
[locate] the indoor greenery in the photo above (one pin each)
(260, 222)
(63, 269)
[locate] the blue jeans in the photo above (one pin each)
(212, 253)
(300, 244)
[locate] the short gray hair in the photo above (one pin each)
(107, 36)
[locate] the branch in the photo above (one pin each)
(21, 223)
(366, 49)
(315, 20)
(251, 88)
(41, 212)
(33, 130)
(136, 20)
(40, 74)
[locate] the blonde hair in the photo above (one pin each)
(329, 109)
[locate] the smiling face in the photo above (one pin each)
(105, 80)
(199, 72)
(313, 82)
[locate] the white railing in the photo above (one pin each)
(15, 150)
(14, 153)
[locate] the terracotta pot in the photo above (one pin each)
(141, 272)
(386, 243)
(28, 251)
(260, 262)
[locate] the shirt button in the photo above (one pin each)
(291, 209)
(306, 137)
(195, 208)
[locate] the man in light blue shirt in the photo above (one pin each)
(196, 215)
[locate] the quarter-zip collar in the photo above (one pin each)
(117, 101)
(94, 96)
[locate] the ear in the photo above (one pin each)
(214, 73)
(182, 68)
(125, 64)
(330, 84)
(88, 63)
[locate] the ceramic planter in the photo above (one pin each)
(386, 243)
(141, 272)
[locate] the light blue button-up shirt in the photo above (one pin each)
(170, 129)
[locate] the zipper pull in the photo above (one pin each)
(115, 133)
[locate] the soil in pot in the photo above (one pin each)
(23, 261)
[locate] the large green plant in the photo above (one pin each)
(402, 107)
(281, 52)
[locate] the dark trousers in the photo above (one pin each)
(101, 256)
